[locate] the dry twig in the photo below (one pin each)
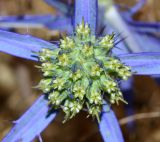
(128, 119)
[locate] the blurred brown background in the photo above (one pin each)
(19, 76)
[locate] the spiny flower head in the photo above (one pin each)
(82, 73)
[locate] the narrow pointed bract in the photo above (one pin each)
(22, 46)
(21, 21)
(109, 126)
(60, 23)
(53, 22)
(142, 63)
(31, 123)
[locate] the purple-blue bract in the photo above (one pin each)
(32, 122)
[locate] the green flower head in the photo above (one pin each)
(82, 73)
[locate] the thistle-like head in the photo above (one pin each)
(82, 69)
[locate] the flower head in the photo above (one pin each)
(82, 72)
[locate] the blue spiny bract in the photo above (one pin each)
(82, 69)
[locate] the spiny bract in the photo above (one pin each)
(81, 73)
